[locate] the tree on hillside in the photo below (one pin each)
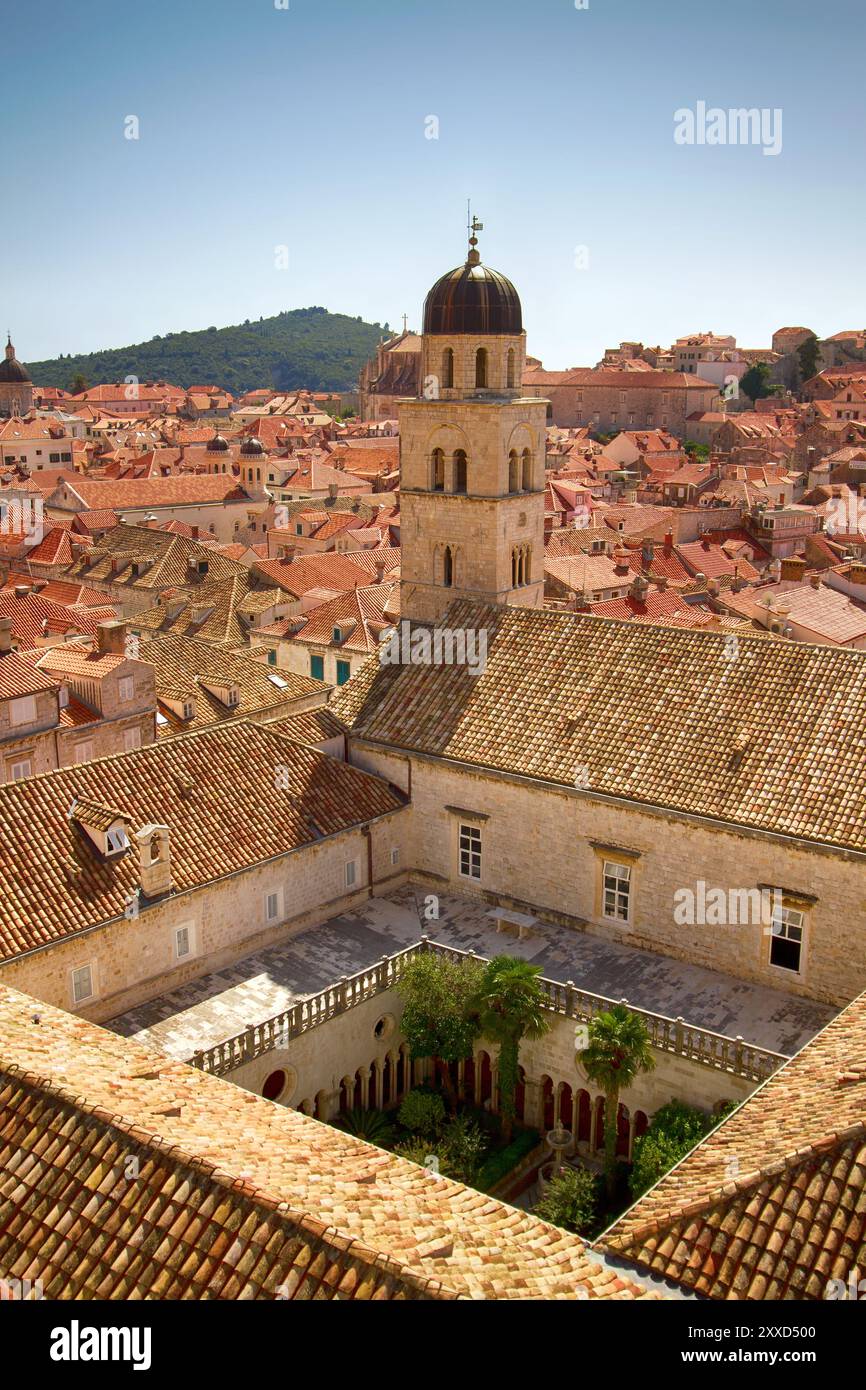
(510, 1006)
(618, 1051)
(78, 384)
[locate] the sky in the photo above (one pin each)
(300, 152)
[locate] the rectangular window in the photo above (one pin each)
(272, 657)
(272, 906)
(617, 891)
(83, 752)
(470, 852)
(19, 769)
(317, 668)
(351, 873)
(23, 710)
(131, 739)
(183, 943)
(126, 688)
(786, 941)
(344, 670)
(395, 856)
(82, 984)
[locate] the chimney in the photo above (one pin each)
(111, 638)
(815, 580)
(332, 490)
(639, 588)
(380, 571)
(5, 636)
(646, 554)
(21, 591)
(620, 560)
(792, 567)
(154, 858)
(669, 542)
(713, 587)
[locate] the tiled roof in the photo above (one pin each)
(360, 614)
(184, 664)
(188, 488)
(35, 617)
(209, 610)
(309, 726)
(772, 740)
(166, 557)
(76, 660)
(217, 792)
(329, 570)
(771, 1205)
(233, 1196)
(20, 677)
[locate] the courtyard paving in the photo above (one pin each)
(221, 1004)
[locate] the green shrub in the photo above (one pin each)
(571, 1200)
(422, 1112)
(499, 1163)
(417, 1150)
(462, 1147)
(371, 1125)
(673, 1131)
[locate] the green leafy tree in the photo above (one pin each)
(700, 452)
(510, 1006)
(571, 1200)
(618, 1051)
(423, 1112)
(78, 384)
(437, 1018)
(756, 381)
(809, 355)
(464, 1147)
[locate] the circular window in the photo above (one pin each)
(384, 1028)
(274, 1085)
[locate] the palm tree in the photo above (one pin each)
(619, 1050)
(509, 1003)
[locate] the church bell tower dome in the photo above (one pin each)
(473, 299)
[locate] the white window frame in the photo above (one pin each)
(17, 708)
(791, 920)
(14, 763)
(192, 945)
(73, 990)
(469, 851)
(126, 689)
(351, 873)
(613, 875)
(277, 895)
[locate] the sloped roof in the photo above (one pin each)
(234, 1197)
(770, 1205)
(773, 741)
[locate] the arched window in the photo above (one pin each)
(448, 568)
(513, 472)
(509, 369)
(448, 367)
(437, 471)
(481, 368)
(514, 568)
(459, 470)
(527, 471)
(527, 564)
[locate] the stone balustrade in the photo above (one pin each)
(667, 1035)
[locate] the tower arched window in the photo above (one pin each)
(514, 568)
(448, 567)
(460, 470)
(437, 471)
(448, 367)
(509, 369)
(481, 368)
(527, 565)
(513, 472)
(527, 471)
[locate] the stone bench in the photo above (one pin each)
(518, 924)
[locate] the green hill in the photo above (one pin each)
(301, 347)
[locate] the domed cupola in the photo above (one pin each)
(11, 370)
(252, 448)
(473, 299)
(217, 445)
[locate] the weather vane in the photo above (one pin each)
(472, 226)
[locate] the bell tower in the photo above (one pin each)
(472, 452)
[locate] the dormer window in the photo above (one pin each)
(116, 840)
(338, 635)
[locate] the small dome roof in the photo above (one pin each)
(217, 445)
(11, 369)
(252, 446)
(472, 298)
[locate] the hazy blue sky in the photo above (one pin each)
(262, 127)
